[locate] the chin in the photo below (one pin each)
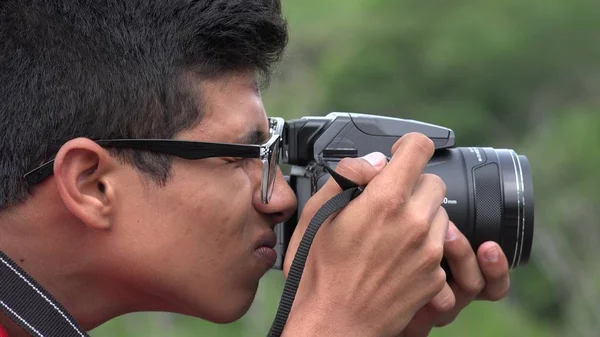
(231, 316)
(230, 313)
(227, 308)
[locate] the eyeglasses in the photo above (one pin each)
(268, 154)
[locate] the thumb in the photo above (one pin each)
(359, 170)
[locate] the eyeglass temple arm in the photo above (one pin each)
(40, 173)
(182, 149)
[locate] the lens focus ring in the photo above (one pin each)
(488, 203)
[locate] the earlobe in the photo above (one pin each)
(82, 171)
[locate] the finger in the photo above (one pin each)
(494, 266)
(421, 323)
(424, 320)
(444, 301)
(468, 280)
(463, 263)
(360, 170)
(410, 157)
(428, 194)
(439, 227)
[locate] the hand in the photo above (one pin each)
(376, 263)
(481, 277)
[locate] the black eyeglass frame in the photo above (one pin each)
(268, 153)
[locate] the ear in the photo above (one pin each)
(82, 171)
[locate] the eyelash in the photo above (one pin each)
(237, 160)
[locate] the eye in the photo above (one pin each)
(234, 159)
(238, 161)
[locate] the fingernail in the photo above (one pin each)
(451, 233)
(376, 159)
(492, 254)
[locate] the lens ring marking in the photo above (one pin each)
(520, 219)
(518, 210)
(522, 207)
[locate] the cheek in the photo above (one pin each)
(205, 211)
(194, 233)
(222, 202)
(223, 182)
(230, 188)
(195, 205)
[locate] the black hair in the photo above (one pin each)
(118, 69)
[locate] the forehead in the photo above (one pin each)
(232, 109)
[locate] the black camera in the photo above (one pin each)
(489, 191)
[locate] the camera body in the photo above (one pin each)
(489, 191)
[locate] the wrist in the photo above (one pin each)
(314, 328)
(318, 322)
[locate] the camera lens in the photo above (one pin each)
(489, 197)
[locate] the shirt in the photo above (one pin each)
(3, 332)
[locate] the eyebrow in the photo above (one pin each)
(253, 137)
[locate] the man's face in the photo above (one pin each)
(192, 244)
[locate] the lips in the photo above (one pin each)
(264, 249)
(267, 239)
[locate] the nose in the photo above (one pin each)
(282, 204)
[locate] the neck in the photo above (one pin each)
(75, 276)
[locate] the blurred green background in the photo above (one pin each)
(521, 74)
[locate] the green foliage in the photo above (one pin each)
(493, 320)
(513, 73)
(484, 68)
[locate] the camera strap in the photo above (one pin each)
(350, 190)
(32, 307)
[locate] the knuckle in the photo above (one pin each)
(397, 199)
(474, 287)
(434, 254)
(350, 168)
(419, 234)
(439, 279)
(446, 304)
(463, 253)
(421, 223)
(389, 202)
(440, 183)
(423, 142)
(443, 214)
(419, 226)
(436, 183)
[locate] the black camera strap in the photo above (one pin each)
(27, 303)
(350, 191)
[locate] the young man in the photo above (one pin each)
(117, 227)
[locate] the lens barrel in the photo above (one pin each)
(489, 197)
